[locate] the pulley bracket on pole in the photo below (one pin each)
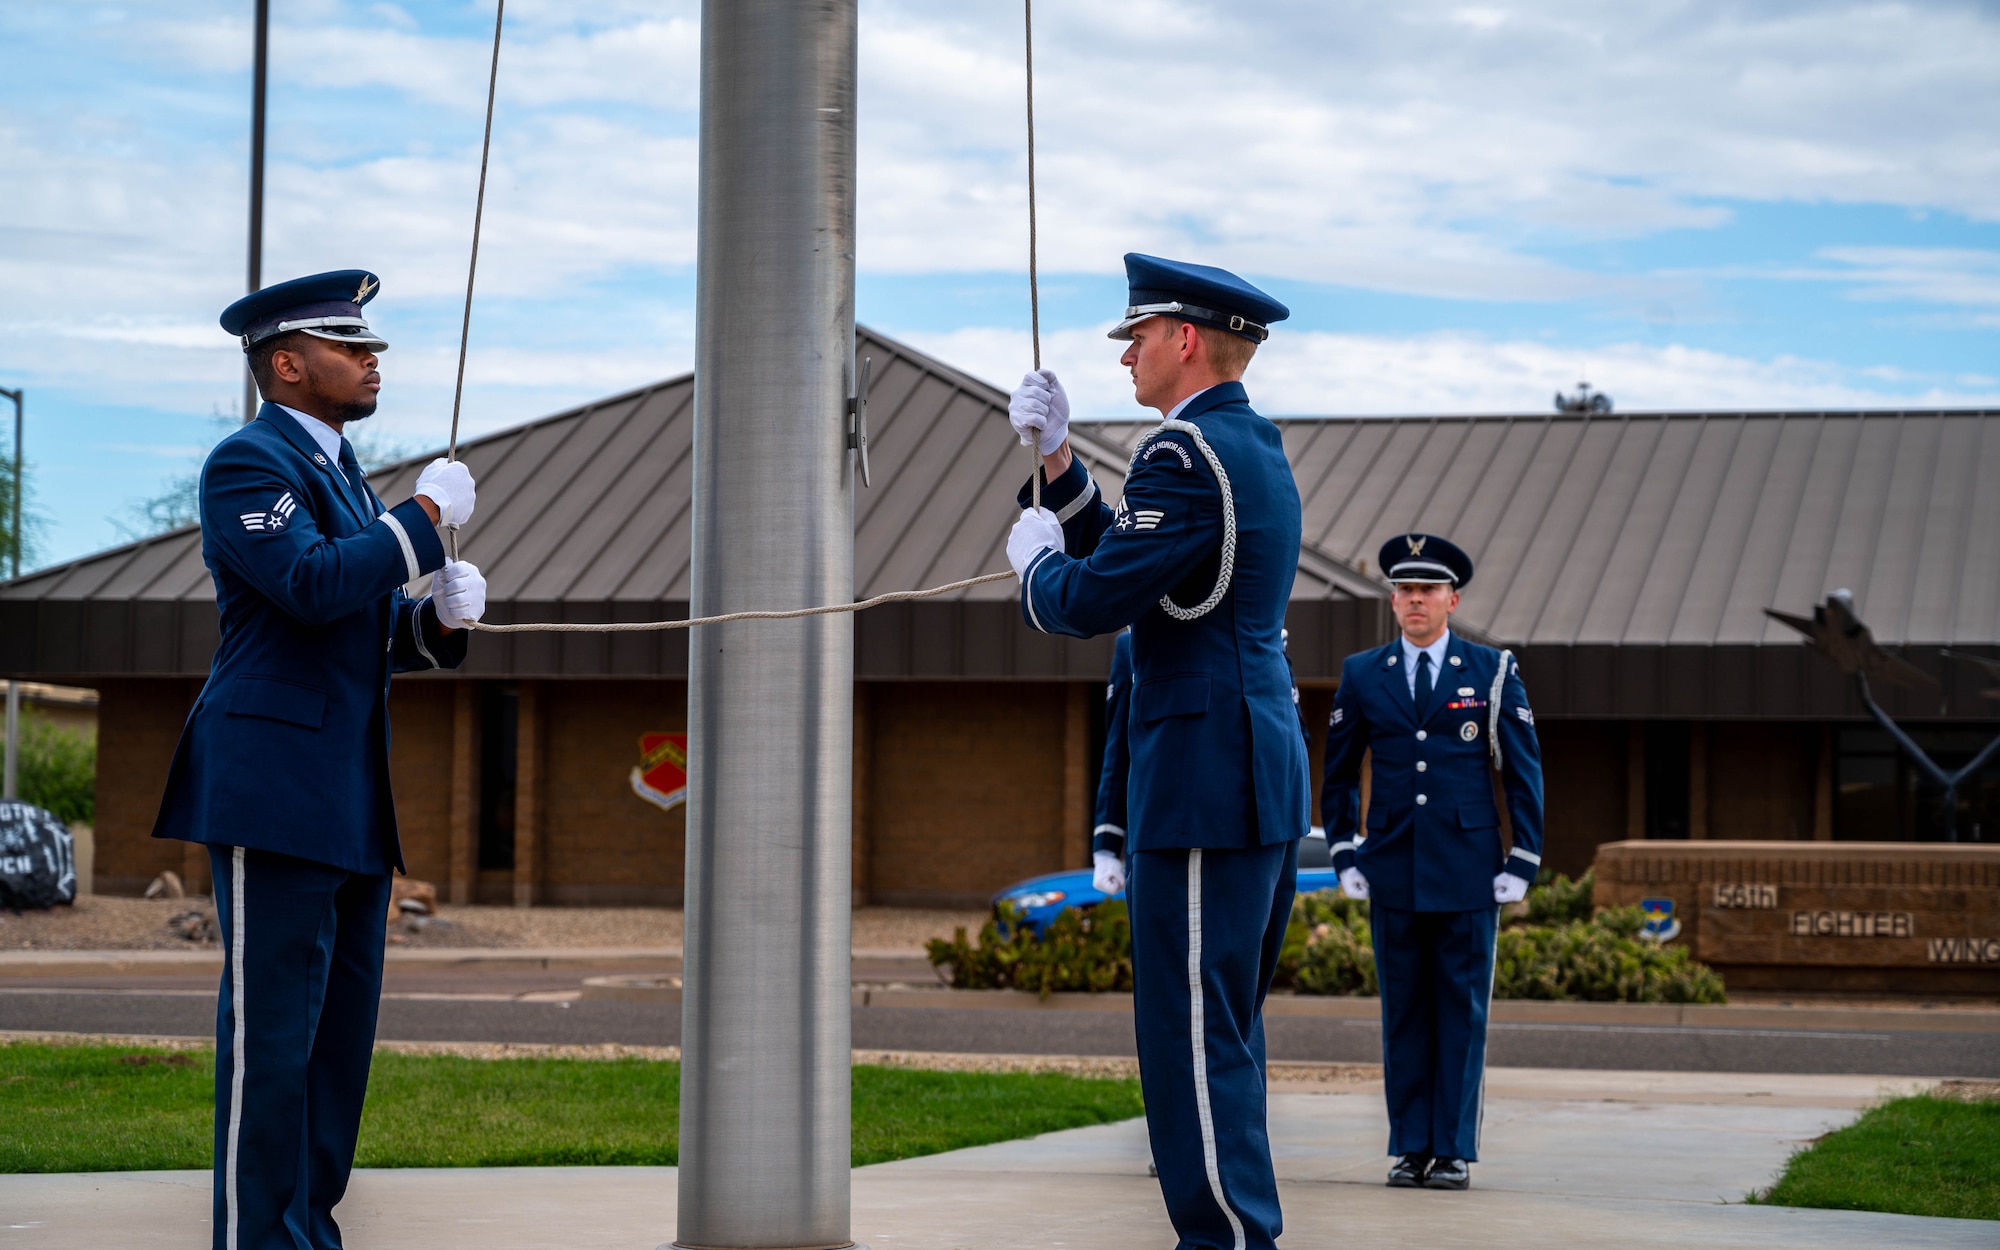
(857, 418)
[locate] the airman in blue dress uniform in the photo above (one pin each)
(283, 767)
(1440, 713)
(1198, 558)
(1107, 840)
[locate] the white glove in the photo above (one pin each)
(448, 484)
(458, 593)
(1036, 531)
(1353, 884)
(1107, 873)
(1508, 888)
(1039, 412)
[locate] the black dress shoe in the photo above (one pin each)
(1448, 1174)
(1408, 1172)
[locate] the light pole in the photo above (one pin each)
(10, 774)
(259, 79)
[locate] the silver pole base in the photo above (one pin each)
(678, 1245)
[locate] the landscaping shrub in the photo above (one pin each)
(1559, 951)
(58, 769)
(1602, 960)
(1327, 948)
(1558, 900)
(1079, 950)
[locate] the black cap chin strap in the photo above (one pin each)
(1233, 322)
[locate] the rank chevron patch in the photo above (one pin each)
(273, 521)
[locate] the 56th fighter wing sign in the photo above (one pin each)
(661, 777)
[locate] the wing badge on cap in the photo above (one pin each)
(1416, 543)
(366, 289)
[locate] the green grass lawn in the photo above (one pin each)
(116, 1108)
(1913, 1156)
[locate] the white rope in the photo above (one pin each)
(897, 596)
(632, 627)
(1228, 569)
(472, 266)
(1034, 285)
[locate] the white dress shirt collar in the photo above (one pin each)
(1175, 413)
(1436, 651)
(325, 435)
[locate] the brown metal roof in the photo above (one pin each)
(1629, 558)
(1681, 528)
(584, 516)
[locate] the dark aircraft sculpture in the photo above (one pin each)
(1837, 633)
(1992, 668)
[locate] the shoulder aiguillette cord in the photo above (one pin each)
(894, 596)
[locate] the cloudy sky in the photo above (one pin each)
(1467, 207)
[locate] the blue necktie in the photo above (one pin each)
(1423, 684)
(352, 469)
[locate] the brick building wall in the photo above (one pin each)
(600, 843)
(1761, 779)
(959, 787)
(138, 723)
(420, 729)
(966, 788)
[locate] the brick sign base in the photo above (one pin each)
(1855, 917)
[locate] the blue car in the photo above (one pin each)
(1041, 899)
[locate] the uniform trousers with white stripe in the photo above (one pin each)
(1207, 927)
(1436, 973)
(295, 1028)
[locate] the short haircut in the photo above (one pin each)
(259, 357)
(1229, 353)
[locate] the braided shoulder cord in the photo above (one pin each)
(1493, 708)
(1228, 568)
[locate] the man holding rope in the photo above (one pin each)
(283, 767)
(1198, 558)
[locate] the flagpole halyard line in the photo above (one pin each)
(472, 266)
(1034, 285)
(621, 627)
(898, 596)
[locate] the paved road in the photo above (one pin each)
(433, 1017)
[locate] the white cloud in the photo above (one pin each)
(1422, 148)
(1315, 374)
(1949, 276)
(1471, 151)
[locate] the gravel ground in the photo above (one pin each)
(98, 922)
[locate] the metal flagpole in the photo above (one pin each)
(764, 1145)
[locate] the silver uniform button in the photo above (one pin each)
(1421, 735)
(1421, 800)
(1423, 767)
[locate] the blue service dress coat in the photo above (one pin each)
(287, 748)
(1433, 841)
(1116, 774)
(1216, 756)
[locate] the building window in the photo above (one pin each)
(1881, 795)
(499, 722)
(1667, 779)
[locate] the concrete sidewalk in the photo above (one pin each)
(1580, 1159)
